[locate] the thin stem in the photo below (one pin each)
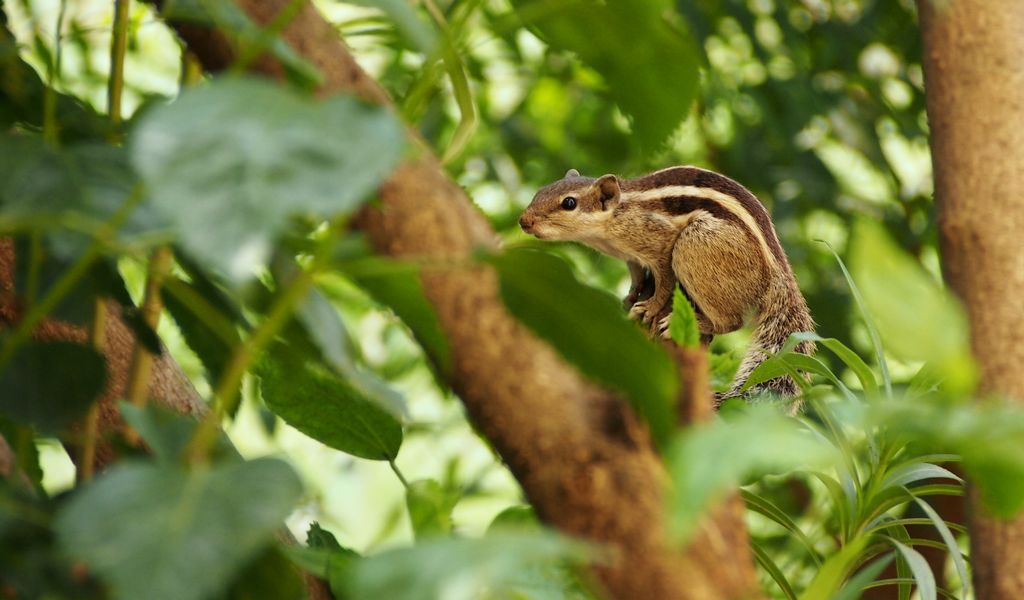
(152, 306)
(34, 266)
(191, 69)
(398, 473)
(226, 394)
(87, 464)
(118, 45)
(266, 35)
(69, 278)
(50, 95)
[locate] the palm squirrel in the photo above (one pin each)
(691, 226)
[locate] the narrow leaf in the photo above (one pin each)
(919, 567)
(950, 541)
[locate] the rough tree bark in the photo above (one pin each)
(975, 99)
(582, 457)
(168, 385)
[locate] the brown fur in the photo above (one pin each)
(699, 238)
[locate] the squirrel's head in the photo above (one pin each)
(573, 208)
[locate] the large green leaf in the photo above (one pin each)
(707, 460)
(50, 384)
(464, 569)
(638, 46)
(313, 399)
(70, 193)
(327, 332)
(228, 163)
(587, 326)
(917, 319)
(163, 532)
(168, 434)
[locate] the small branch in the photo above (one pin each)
(226, 394)
(398, 473)
(97, 338)
(151, 308)
(118, 45)
(50, 133)
(69, 278)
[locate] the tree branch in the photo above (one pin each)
(975, 80)
(583, 459)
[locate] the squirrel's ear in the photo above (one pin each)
(572, 173)
(608, 191)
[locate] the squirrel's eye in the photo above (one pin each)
(568, 203)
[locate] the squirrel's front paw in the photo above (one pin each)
(646, 311)
(639, 311)
(661, 330)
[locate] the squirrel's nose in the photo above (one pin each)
(526, 223)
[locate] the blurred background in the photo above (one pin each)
(816, 106)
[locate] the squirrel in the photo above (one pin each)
(693, 227)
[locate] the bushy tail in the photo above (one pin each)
(784, 315)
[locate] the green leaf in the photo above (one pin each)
(408, 21)
(707, 460)
(917, 319)
(773, 570)
(330, 564)
(325, 329)
(168, 433)
(859, 582)
(398, 286)
(70, 193)
(208, 332)
(856, 364)
(588, 328)
(327, 408)
(162, 532)
(430, 508)
(460, 569)
(835, 570)
(765, 507)
(919, 567)
(869, 323)
(916, 471)
(228, 163)
(51, 384)
(614, 39)
(318, 537)
(520, 517)
(22, 94)
(270, 576)
(683, 324)
(989, 437)
(950, 541)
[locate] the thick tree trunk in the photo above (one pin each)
(974, 71)
(580, 454)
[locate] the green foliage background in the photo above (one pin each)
(816, 106)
